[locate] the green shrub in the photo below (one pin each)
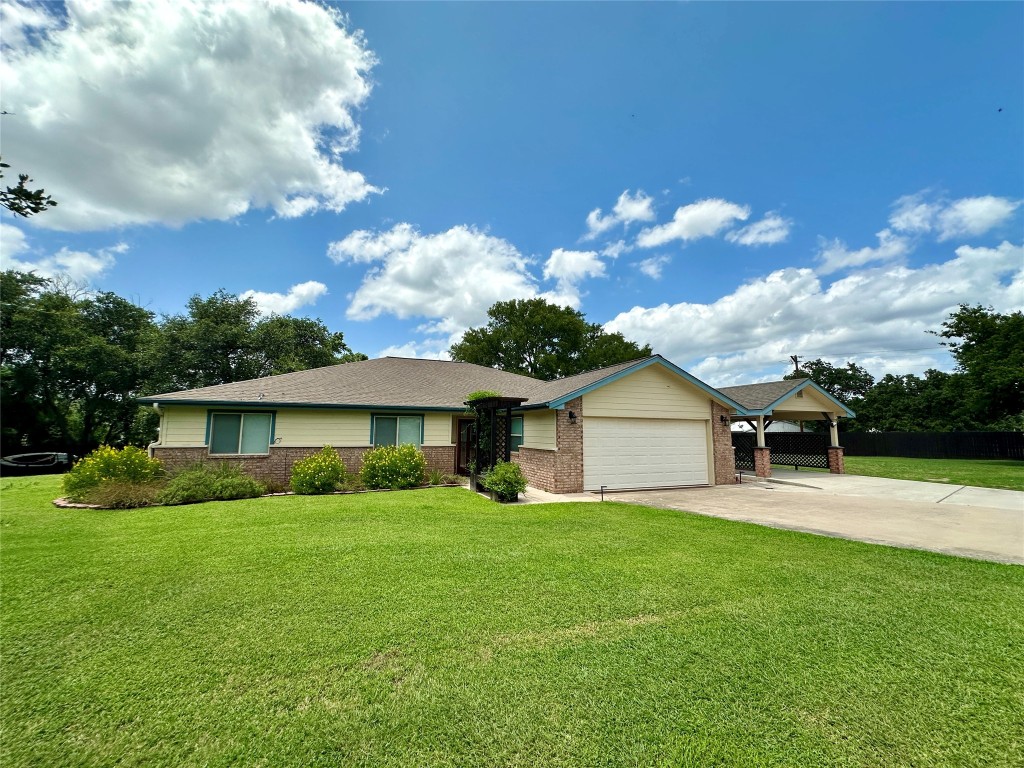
(320, 473)
(453, 480)
(436, 477)
(506, 480)
(119, 494)
(201, 483)
(128, 465)
(395, 467)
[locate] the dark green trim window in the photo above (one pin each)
(397, 430)
(241, 433)
(517, 433)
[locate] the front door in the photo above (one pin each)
(464, 449)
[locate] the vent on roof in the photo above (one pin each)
(800, 393)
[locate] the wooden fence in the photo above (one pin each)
(935, 445)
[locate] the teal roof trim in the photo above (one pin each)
(560, 402)
(244, 405)
(807, 383)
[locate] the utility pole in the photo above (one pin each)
(796, 363)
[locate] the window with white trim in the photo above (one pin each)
(397, 430)
(517, 433)
(240, 433)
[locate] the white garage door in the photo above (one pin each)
(643, 453)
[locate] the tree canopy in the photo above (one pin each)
(535, 338)
(22, 201)
(986, 392)
(73, 363)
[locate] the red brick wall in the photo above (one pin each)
(569, 457)
(724, 455)
(836, 462)
(538, 466)
(763, 462)
(276, 467)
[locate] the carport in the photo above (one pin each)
(798, 400)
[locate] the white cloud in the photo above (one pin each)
(416, 349)
(834, 255)
(913, 213)
(299, 295)
(966, 217)
(12, 241)
(628, 208)
(158, 112)
(770, 230)
(653, 266)
(879, 316)
(80, 267)
(705, 218)
(452, 277)
(974, 216)
(20, 23)
(569, 269)
(616, 249)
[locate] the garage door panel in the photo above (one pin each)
(643, 453)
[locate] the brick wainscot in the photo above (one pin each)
(559, 471)
(276, 466)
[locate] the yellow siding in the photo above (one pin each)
(183, 426)
(437, 429)
(650, 393)
(539, 430)
(811, 401)
(315, 427)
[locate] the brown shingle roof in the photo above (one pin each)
(388, 381)
(757, 396)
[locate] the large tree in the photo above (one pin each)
(848, 383)
(535, 338)
(223, 338)
(71, 365)
(989, 351)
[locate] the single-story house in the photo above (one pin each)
(640, 424)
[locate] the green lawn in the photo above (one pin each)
(436, 628)
(985, 473)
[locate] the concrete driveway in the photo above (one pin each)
(981, 523)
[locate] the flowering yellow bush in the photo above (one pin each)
(395, 467)
(319, 473)
(128, 465)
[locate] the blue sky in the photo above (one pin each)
(772, 179)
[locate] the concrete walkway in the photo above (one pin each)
(906, 490)
(982, 524)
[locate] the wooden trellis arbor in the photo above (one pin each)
(492, 441)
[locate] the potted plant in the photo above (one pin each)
(505, 482)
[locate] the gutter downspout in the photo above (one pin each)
(159, 430)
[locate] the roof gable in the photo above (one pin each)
(765, 397)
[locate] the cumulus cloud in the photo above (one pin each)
(299, 295)
(653, 266)
(616, 249)
(967, 217)
(972, 216)
(878, 316)
(834, 255)
(569, 269)
(157, 112)
(705, 218)
(415, 349)
(451, 277)
(770, 230)
(628, 208)
(80, 267)
(12, 240)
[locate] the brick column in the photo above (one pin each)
(569, 457)
(722, 450)
(763, 462)
(836, 465)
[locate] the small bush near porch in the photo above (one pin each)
(434, 627)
